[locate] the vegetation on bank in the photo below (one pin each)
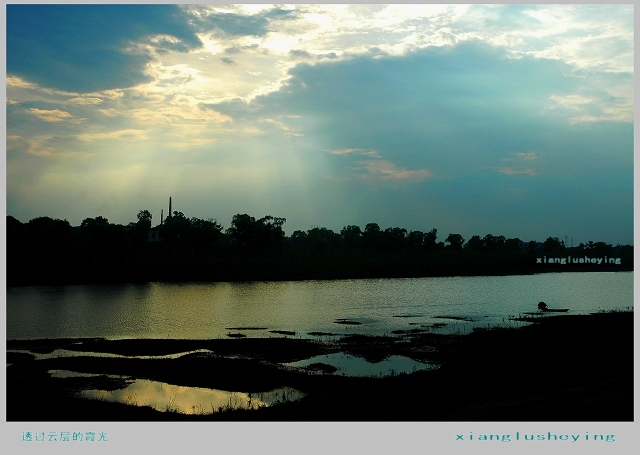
(51, 251)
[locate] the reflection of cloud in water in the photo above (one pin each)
(190, 400)
(75, 374)
(349, 365)
(58, 353)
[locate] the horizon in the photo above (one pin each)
(515, 120)
(568, 242)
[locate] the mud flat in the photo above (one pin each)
(559, 368)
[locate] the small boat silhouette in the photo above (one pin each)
(543, 307)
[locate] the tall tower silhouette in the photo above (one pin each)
(169, 216)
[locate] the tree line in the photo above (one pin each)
(51, 251)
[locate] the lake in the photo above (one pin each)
(306, 308)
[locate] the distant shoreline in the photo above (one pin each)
(45, 251)
(181, 277)
(163, 263)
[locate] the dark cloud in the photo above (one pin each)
(227, 61)
(239, 49)
(79, 48)
(299, 53)
(457, 106)
(458, 112)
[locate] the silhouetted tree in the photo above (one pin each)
(175, 228)
(16, 237)
(350, 236)
(371, 235)
(601, 249)
(553, 244)
(47, 230)
(415, 240)
(15, 230)
(455, 242)
(394, 238)
(322, 238)
(299, 238)
(101, 234)
(45, 250)
(475, 243)
(256, 234)
(430, 239)
(487, 242)
(204, 232)
(144, 219)
(512, 244)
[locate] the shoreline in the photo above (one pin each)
(261, 277)
(561, 368)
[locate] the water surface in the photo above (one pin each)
(374, 306)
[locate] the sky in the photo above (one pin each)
(513, 120)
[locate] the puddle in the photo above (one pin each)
(186, 400)
(349, 365)
(67, 353)
(75, 374)
(347, 322)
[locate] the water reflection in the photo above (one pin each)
(59, 353)
(205, 310)
(186, 400)
(349, 365)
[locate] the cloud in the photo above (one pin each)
(510, 171)
(371, 153)
(432, 114)
(54, 115)
(128, 134)
(574, 101)
(599, 106)
(85, 48)
(286, 129)
(233, 24)
(522, 156)
(47, 146)
(14, 81)
(521, 162)
(379, 169)
(445, 109)
(386, 170)
(449, 111)
(528, 156)
(85, 100)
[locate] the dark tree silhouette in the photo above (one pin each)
(430, 239)
(475, 243)
(144, 219)
(256, 234)
(351, 236)
(50, 251)
(455, 242)
(371, 235)
(553, 245)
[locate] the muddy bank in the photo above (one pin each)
(561, 368)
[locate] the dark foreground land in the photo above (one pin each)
(561, 368)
